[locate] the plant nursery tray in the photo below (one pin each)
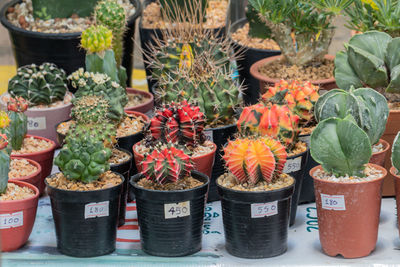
(303, 244)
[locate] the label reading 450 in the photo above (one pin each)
(175, 210)
(15, 219)
(259, 210)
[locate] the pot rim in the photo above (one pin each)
(221, 127)
(134, 90)
(33, 109)
(386, 147)
(52, 148)
(392, 171)
(122, 163)
(60, 36)
(36, 164)
(23, 184)
(384, 174)
(254, 70)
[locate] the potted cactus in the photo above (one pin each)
(255, 197)
(25, 146)
(18, 200)
(170, 201)
(85, 196)
(370, 60)
(347, 188)
(45, 89)
(303, 31)
(395, 172)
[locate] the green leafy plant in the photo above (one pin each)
(396, 152)
(341, 147)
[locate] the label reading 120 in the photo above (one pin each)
(15, 219)
(99, 209)
(259, 210)
(333, 202)
(175, 210)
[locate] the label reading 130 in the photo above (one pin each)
(259, 210)
(175, 210)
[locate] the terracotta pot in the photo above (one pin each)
(378, 158)
(350, 229)
(16, 234)
(203, 163)
(146, 107)
(325, 84)
(393, 172)
(34, 178)
(44, 158)
(392, 128)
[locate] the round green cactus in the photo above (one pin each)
(104, 132)
(90, 109)
(42, 84)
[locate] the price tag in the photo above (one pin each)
(99, 209)
(175, 210)
(306, 139)
(15, 219)
(38, 123)
(333, 202)
(209, 136)
(292, 165)
(259, 210)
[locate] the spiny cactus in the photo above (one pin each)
(299, 96)
(166, 166)
(178, 122)
(100, 57)
(178, 11)
(96, 84)
(368, 107)
(104, 132)
(341, 147)
(4, 153)
(112, 15)
(42, 84)
(276, 121)
(254, 160)
(370, 60)
(91, 109)
(18, 128)
(396, 152)
(83, 159)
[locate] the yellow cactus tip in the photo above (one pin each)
(4, 120)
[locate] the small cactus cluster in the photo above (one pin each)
(299, 96)
(168, 165)
(252, 160)
(276, 121)
(178, 123)
(4, 152)
(90, 109)
(42, 84)
(18, 127)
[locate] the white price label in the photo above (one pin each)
(99, 209)
(259, 210)
(292, 165)
(15, 219)
(175, 210)
(209, 136)
(333, 202)
(38, 123)
(306, 139)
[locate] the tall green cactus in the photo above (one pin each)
(368, 107)
(396, 152)
(5, 152)
(341, 147)
(18, 128)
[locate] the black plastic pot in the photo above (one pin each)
(295, 167)
(123, 169)
(248, 235)
(170, 237)
(78, 236)
(250, 55)
(220, 137)
(61, 49)
(307, 194)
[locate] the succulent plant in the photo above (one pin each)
(83, 159)
(253, 160)
(4, 153)
(100, 58)
(341, 147)
(18, 127)
(396, 152)
(91, 109)
(276, 121)
(368, 107)
(178, 123)
(299, 96)
(166, 166)
(42, 84)
(104, 132)
(112, 15)
(371, 60)
(96, 84)
(192, 11)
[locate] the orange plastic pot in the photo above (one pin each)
(44, 158)
(325, 84)
(351, 231)
(203, 163)
(378, 158)
(34, 178)
(20, 216)
(396, 176)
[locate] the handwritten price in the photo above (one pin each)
(259, 210)
(175, 210)
(11, 220)
(100, 209)
(38, 123)
(333, 202)
(292, 165)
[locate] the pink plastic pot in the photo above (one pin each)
(44, 158)
(145, 108)
(34, 178)
(20, 216)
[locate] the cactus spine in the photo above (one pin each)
(18, 128)
(90, 109)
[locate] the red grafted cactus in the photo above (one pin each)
(166, 166)
(253, 160)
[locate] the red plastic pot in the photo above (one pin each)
(16, 234)
(203, 163)
(350, 230)
(396, 176)
(34, 178)
(146, 107)
(378, 158)
(44, 158)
